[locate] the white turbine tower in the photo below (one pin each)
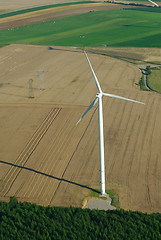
(98, 98)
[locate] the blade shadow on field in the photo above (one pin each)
(48, 175)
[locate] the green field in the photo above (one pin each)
(110, 28)
(154, 80)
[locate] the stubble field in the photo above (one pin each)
(46, 159)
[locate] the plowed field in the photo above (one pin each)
(46, 159)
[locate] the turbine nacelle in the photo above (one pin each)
(99, 95)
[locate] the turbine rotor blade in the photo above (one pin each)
(88, 109)
(93, 74)
(122, 98)
(154, 3)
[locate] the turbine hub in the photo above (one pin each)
(99, 95)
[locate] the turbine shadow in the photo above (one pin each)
(50, 176)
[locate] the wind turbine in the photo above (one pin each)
(98, 99)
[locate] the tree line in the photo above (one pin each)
(29, 221)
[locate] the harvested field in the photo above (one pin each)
(46, 159)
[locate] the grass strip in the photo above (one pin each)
(142, 84)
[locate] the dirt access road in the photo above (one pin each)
(46, 159)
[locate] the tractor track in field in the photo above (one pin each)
(126, 146)
(143, 140)
(131, 161)
(125, 154)
(22, 159)
(147, 171)
(72, 156)
(47, 167)
(113, 160)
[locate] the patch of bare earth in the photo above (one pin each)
(46, 159)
